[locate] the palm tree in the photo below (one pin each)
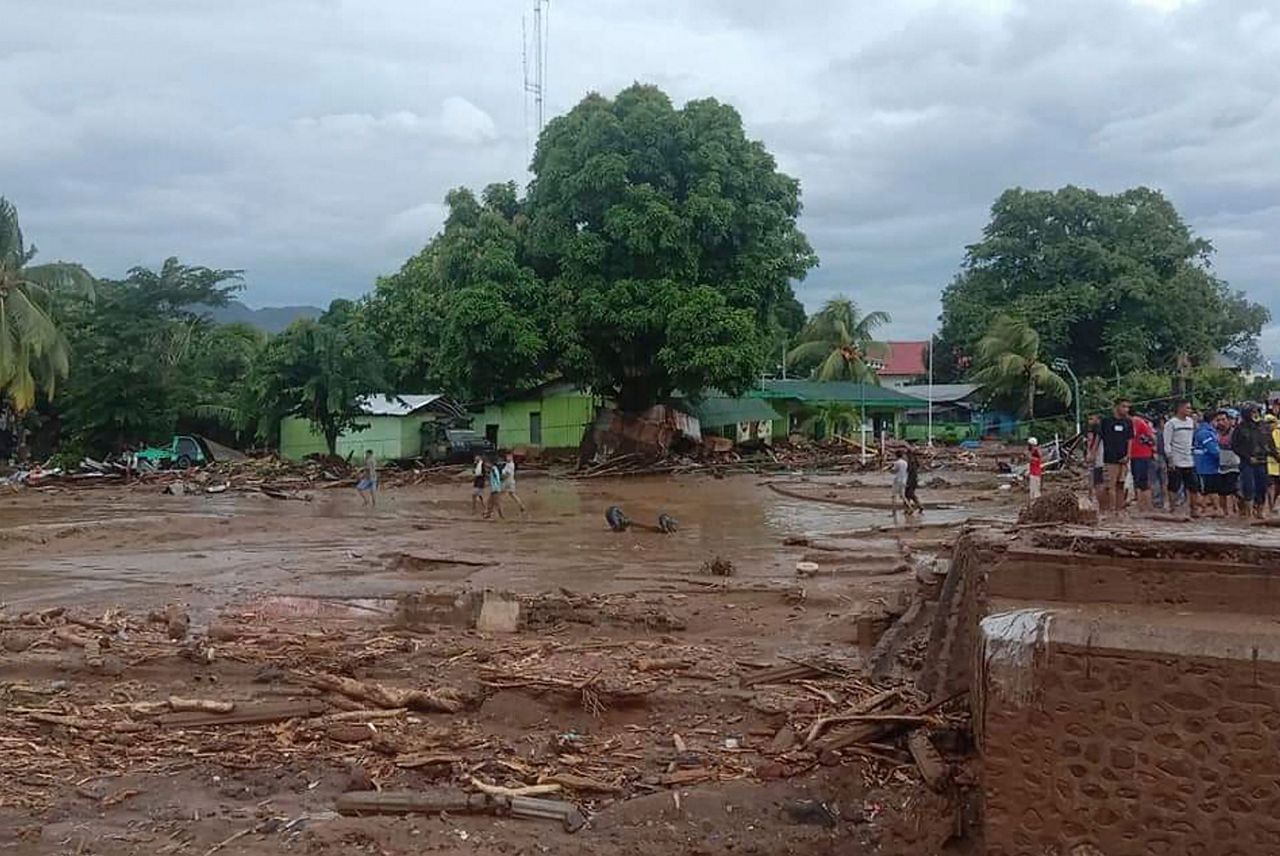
(33, 352)
(1008, 363)
(839, 339)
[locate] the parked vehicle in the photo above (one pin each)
(184, 451)
(441, 444)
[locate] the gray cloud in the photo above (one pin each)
(312, 141)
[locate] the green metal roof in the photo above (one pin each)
(717, 410)
(842, 391)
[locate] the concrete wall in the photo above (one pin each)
(390, 438)
(565, 417)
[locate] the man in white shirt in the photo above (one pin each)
(1179, 434)
(509, 481)
(899, 468)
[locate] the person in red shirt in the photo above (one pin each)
(1142, 452)
(1035, 468)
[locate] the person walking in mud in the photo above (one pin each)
(367, 486)
(914, 506)
(509, 480)
(898, 495)
(477, 486)
(495, 490)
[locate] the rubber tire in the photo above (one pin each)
(184, 462)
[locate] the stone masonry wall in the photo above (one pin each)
(1130, 751)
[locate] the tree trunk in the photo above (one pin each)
(1031, 401)
(331, 440)
(637, 395)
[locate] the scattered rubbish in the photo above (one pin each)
(618, 521)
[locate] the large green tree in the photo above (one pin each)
(318, 370)
(1114, 283)
(1009, 365)
(837, 342)
(140, 354)
(665, 239)
(466, 314)
(33, 350)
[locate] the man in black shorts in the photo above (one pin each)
(1116, 433)
(1179, 431)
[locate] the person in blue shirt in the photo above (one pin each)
(1205, 452)
(495, 489)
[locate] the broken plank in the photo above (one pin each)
(928, 760)
(246, 714)
(781, 675)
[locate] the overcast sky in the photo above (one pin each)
(311, 142)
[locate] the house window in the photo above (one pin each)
(535, 429)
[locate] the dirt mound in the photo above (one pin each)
(1060, 506)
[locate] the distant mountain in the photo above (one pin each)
(272, 319)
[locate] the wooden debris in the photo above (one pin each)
(781, 675)
(659, 664)
(928, 760)
(246, 714)
(203, 705)
(458, 802)
(431, 759)
(574, 782)
(686, 777)
(526, 791)
(445, 701)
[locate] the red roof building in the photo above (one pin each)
(904, 362)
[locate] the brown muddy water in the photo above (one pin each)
(136, 545)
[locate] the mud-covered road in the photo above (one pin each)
(299, 589)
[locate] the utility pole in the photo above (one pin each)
(930, 442)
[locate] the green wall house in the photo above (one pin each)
(800, 400)
(552, 416)
(394, 429)
(738, 419)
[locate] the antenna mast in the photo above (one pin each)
(536, 85)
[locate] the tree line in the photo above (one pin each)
(654, 251)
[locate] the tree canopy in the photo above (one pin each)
(643, 216)
(317, 370)
(654, 251)
(141, 349)
(1114, 283)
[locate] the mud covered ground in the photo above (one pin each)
(632, 681)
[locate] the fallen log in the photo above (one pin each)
(526, 791)
(781, 675)
(202, 705)
(245, 714)
(458, 802)
(863, 707)
(382, 696)
(64, 721)
(574, 782)
(430, 759)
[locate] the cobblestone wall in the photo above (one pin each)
(1131, 752)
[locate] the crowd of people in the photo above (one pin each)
(1217, 463)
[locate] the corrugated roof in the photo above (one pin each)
(944, 392)
(717, 410)
(396, 405)
(843, 391)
